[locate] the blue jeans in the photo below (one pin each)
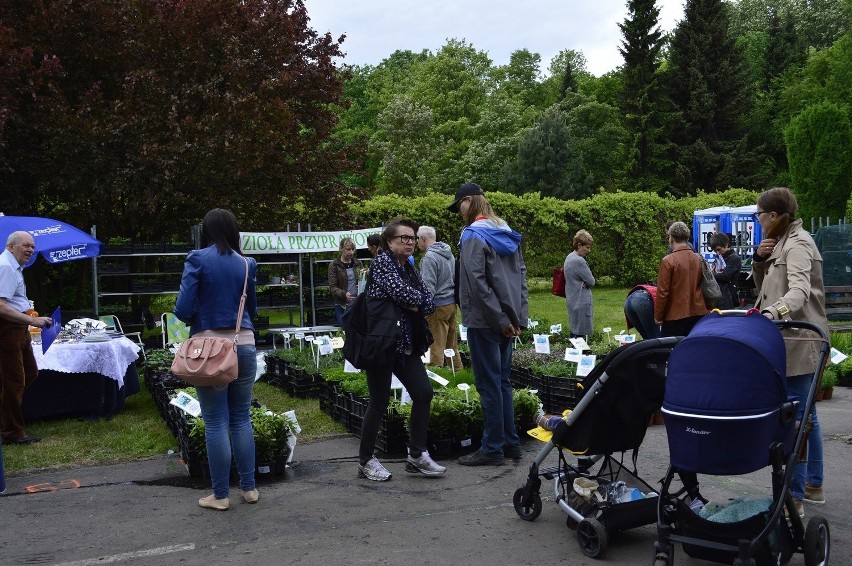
(227, 425)
(639, 312)
(338, 314)
(491, 359)
(798, 387)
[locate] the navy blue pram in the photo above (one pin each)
(727, 412)
(727, 377)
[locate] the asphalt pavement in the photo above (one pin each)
(146, 513)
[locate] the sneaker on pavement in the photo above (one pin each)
(480, 458)
(373, 471)
(424, 464)
(513, 452)
(800, 509)
(814, 494)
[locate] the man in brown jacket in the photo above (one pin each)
(680, 302)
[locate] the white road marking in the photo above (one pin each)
(129, 555)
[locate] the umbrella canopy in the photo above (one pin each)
(56, 241)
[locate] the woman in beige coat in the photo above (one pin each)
(787, 270)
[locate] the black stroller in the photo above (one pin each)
(727, 412)
(619, 397)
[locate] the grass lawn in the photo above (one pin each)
(138, 432)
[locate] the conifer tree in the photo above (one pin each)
(641, 97)
(710, 87)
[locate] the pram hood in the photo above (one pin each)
(724, 395)
(728, 366)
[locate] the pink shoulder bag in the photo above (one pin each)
(210, 361)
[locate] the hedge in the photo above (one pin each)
(628, 228)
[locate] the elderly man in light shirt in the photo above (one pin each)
(17, 363)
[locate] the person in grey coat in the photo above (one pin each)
(437, 268)
(494, 303)
(578, 286)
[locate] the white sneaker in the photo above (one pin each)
(424, 465)
(373, 471)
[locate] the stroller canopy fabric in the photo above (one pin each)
(731, 365)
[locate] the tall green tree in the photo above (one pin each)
(454, 84)
(819, 149)
(709, 85)
(409, 147)
(543, 159)
(642, 99)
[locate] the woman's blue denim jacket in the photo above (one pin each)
(210, 290)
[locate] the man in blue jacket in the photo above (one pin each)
(493, 297)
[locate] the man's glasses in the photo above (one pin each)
(405, 239)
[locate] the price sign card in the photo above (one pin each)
(187, 403)
(337, 342)
(587, 363)
(542, 343)
(837, 356)
(462, 332)
(436, 378)
(579, 343)
(555, 328)
(349, 368)
(625, 338)
(325, 347)
(573, 355)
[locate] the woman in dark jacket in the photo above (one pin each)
(343, 275)
(726, 271)
(209, 300)
(392, 277)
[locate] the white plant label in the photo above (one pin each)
(573, 355)
(587, 363)
(542, 343)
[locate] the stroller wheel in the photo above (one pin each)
(591, 536)
(530, 510)
(817, 542)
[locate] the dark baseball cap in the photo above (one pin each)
(466, 190)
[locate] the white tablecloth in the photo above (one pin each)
(110, 358)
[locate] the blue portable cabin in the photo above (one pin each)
(744, 230)
(725, 390)
(705, 223)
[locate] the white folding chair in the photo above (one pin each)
(112, 322)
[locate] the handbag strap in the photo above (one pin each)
(242, 303)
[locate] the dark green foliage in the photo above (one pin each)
(628, 228)
(819, 150)
(641, 102)
(142, 136)
(543, 160)
(709, 85)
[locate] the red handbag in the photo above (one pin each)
(558, 288)
(210, 361)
